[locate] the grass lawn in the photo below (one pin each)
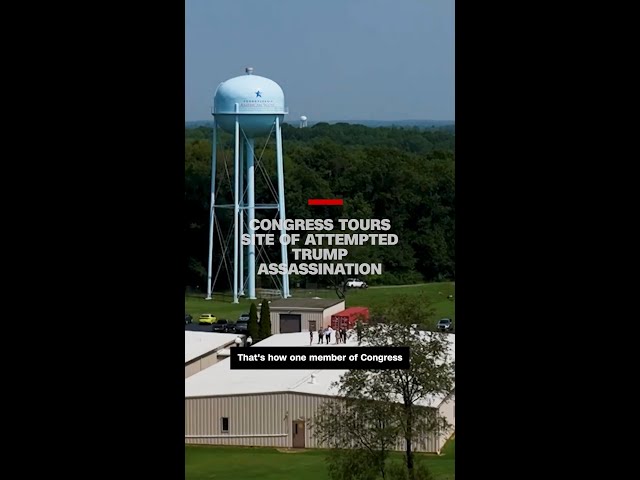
(245, 463)
(220, 306)
(379, 297)
(372, 297)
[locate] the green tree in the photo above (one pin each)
(398, 471)
(265, 320)
(367, 431)
(252, 326)
(402, 397)
(352, 464)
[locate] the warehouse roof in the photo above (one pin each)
(197, 344)
(304, 303)
(219, 379)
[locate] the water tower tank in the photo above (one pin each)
(259, 100)
(303, 118)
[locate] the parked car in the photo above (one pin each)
(445, 325)
(187, 318)
(356, 283)
(242, 325)
(221, 325)
(207, 318)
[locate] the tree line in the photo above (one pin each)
(404, 174)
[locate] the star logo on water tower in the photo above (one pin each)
(259, 94)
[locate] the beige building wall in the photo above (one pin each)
(447, 409)
(275, 322)
(208, 360)
(305, 316)
(321, 317)
(264, 420)
(191, 368)
(311, 316)
(204, 361)
(194, 366)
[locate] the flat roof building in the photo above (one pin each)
(275, 407)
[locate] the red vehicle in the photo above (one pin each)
(348, 318)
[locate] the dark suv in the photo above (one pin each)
(242, 325)
(221, 325)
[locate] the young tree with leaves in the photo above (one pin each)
(401, 397)
(365, 429)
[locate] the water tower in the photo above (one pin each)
(247, 106)
(303, 121)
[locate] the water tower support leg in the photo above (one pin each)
(236, 209)
(251, 214)
(212, 207)
(283, 216)
(241, 283)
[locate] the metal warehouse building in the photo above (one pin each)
(274, 408)
(302, 314)
(201, 349)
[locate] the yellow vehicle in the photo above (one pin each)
(207, 318)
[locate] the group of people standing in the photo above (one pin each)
(324, 335)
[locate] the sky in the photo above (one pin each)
(335, 59)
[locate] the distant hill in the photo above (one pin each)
(199, 123)
(399, 123)
(368, 123)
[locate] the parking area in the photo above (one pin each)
(195, 327)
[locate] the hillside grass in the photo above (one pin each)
(373, 297)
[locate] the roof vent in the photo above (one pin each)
(313, 379)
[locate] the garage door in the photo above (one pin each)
(290, 323)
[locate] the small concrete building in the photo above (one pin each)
(201, 349)
(276, 408)
(292, 315)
